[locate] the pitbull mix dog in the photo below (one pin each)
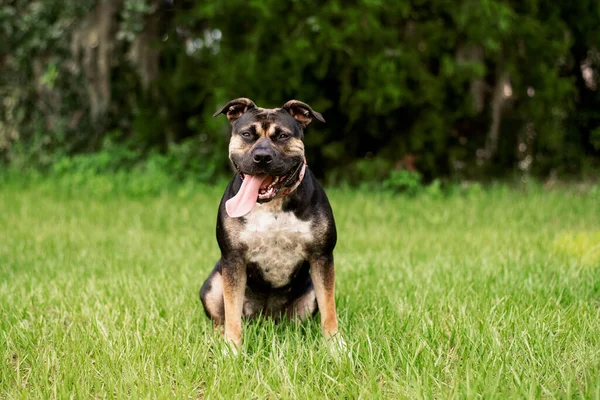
(275, 227)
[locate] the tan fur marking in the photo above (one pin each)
(273, 127)
(261, 132)
(236, 144)
(323, 277)
(214, 299)
(233, 227)
(234, 285)
(294, 146)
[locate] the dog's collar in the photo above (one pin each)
(293, 188)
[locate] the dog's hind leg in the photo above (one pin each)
(211, 295)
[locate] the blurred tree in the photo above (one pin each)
(467, 89)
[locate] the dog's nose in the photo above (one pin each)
(262, 157)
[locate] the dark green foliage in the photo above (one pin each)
(463, 89)
(404, 181)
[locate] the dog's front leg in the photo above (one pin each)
(323, 278)
(234, 285)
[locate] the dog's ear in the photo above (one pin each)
(235, 108)
(302, 112)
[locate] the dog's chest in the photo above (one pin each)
(276, 242)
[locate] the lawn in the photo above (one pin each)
(483, 293)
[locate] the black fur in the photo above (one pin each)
(308, 203)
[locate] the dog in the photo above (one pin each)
(275, 226)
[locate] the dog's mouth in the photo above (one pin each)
(269, 187)
(259, 188)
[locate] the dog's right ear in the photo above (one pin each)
(235, 108)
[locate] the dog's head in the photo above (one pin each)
(267, 143)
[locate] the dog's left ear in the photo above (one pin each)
(302, 112)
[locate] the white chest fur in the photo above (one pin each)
(276, 241)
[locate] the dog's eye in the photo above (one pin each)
(246, 134)
(283, 136)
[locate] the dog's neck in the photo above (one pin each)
(293, 188)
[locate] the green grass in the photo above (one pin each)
(489, 294)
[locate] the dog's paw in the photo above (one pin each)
(230, 350)
(221, 352)
(339, 348)
(337, 342)
(231, 347)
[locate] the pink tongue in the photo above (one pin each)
(245, 199)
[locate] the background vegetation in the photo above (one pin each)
(458, 89)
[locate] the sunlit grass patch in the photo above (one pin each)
(581, 246)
